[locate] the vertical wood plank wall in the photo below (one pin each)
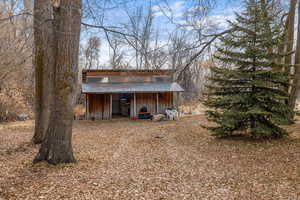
(165, 101)
(100, 105)
(147, 100)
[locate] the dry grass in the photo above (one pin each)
(192, 108)
(151, 160)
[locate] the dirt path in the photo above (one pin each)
(151, 160)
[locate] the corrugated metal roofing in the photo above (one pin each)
(130, 87)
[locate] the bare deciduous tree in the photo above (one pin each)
(43, 61)
(57, 144)
(15, 61)
(290, 33)
(92, 52)
(296, 83)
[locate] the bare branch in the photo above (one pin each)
(13, 16)
(196, 55)
(108, 29)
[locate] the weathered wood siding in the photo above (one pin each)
(121, 73)
(128, 79)
(126, 76)
(165, 100)
(147, 100)
(99, 106)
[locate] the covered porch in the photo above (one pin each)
(104, 101)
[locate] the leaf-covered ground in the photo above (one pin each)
(151, 160)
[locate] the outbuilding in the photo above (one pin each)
(126, 93)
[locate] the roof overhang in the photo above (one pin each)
(100, 88)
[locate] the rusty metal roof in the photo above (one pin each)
(131, 87)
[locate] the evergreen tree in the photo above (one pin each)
(247, 94)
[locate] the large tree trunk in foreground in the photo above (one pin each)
(43, 61)
(57, 145)
(296, 83)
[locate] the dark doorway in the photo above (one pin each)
(121, 105)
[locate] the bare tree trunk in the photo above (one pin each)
(290, 33)
(43, 61)
(287, 47)
(57, 145)
(296, 83)
(264, 5)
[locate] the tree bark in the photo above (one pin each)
(57, 145)
(290, 34)
(265, 10)
(288, 45)
(43, 61)
(296, 82)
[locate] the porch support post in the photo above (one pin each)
(110, 108)
(87, 107)
(177, 100)
(157, 103)
(134, 104)
(173, 98)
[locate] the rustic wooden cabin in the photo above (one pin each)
(126, 93)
